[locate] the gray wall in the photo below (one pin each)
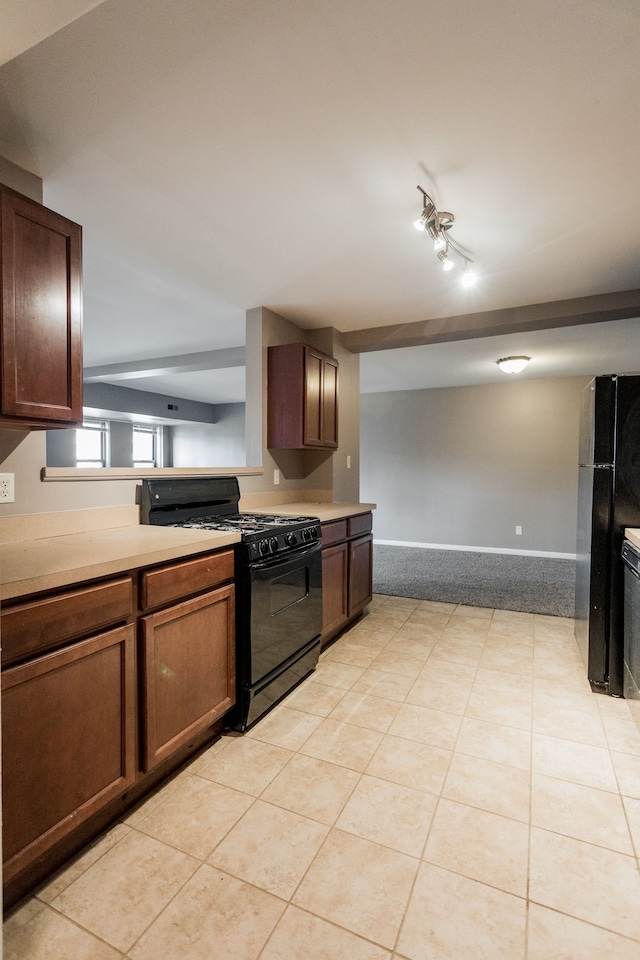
(464, 465)
(207, 444)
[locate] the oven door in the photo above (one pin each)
(284, 598)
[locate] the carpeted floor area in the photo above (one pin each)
(506, 582)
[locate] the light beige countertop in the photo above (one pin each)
(28, 566)
(323, 511)
(633, 534)
(37, 563)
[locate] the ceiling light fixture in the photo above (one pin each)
(513, 364)
(437, 223)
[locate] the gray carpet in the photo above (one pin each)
(506, 582)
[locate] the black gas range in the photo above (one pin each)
(278, 572)
(211, 503)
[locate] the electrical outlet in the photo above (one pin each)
(7, 487)
(276, 476)
(518, 531)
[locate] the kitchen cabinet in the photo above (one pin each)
(106, 688)
(188, 653)
(40, 315)
(302, 398)
(68, 716)
(347, 571)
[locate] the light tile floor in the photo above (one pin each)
(444, 787)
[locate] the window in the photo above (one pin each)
(92, 444)
(147, 445)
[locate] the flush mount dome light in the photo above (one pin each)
(513, 364)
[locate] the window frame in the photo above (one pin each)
(156, 431)
(101, 427)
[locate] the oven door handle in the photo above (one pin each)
(282, 558)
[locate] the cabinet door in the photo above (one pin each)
(321, 400)
(313, 403)
(330, 403)
(68, 741)
(334, 588)
(188, 671)
(41, 334)
(360, 573)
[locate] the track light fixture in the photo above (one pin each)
(513, 364)
(437, 223)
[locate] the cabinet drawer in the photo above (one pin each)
(334, 532)
(183, 579)
(41, 625)
(362, 523)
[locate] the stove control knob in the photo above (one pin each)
(291, 539)
(273, 544)
(264, 546)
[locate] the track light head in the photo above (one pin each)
(443, 257)
(427, 216)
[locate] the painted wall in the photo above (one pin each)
(204, 444)
(465, 465)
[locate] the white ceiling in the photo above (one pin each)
(223, 156)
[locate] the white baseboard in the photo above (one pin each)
(451, 546)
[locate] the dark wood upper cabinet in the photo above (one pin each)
(302, 394)
(40, 315)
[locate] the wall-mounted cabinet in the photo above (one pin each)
(40, 315)
(302, 393)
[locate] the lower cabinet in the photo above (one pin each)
(68, 741)
(335, 589)
(360, 574)
(188, 671)
(347, 563)
(106, 688)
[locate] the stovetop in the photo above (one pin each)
(263, 535)
(212, 504)
(246, 523)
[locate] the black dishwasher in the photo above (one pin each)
(631, 559)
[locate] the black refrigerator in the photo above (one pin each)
(608, 501)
